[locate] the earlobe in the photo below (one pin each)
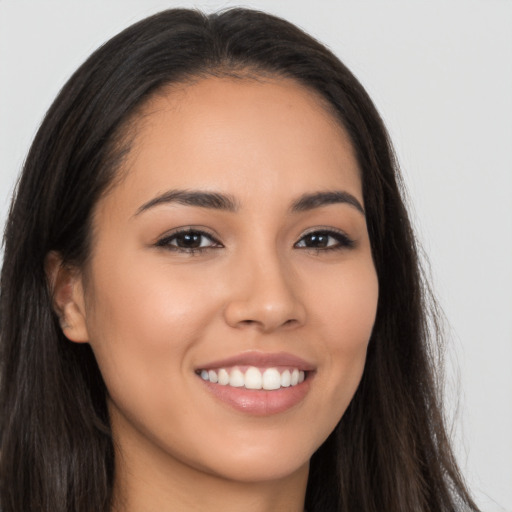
(66, 289)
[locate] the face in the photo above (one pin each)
(231, 291)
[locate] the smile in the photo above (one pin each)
(254, 378)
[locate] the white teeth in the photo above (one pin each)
(236, 379)
(223, 377)
(253, 378)
(271, 379)
(286, 378)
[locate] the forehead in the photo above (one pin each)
(220, 132)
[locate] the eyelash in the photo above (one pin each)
(166, 242)
(342, 241)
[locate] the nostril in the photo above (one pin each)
(264, 311)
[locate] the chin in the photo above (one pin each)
(259, 470)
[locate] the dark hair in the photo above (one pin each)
(389, 452)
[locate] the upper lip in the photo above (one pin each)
(260, 359)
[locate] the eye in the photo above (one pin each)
(189, 241)
(325, 239)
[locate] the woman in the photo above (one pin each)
(210, 283)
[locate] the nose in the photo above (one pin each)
(265, 296)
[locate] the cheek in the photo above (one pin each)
(142, 331)
(346, 308)
(143, 323)
(345, 314)
(139, 296)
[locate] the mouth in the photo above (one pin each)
(258, 383)
(254, 378)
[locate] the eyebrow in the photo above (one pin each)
(218, 201)
(319, 199)
(201, 199)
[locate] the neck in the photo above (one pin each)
(148, 496)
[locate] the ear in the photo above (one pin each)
(68, 300)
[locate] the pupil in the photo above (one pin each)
(318, 240)
(189, 240)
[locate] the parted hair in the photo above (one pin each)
(390, 451)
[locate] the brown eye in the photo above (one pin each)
(324, 239)
(317, 240)
(189, 241)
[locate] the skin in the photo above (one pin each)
(153, 314)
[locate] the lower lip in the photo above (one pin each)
(260, 402)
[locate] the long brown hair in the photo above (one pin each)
(389, 452)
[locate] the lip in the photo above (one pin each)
(260, 402)
(260, 360)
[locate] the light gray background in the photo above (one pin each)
(440, 72)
